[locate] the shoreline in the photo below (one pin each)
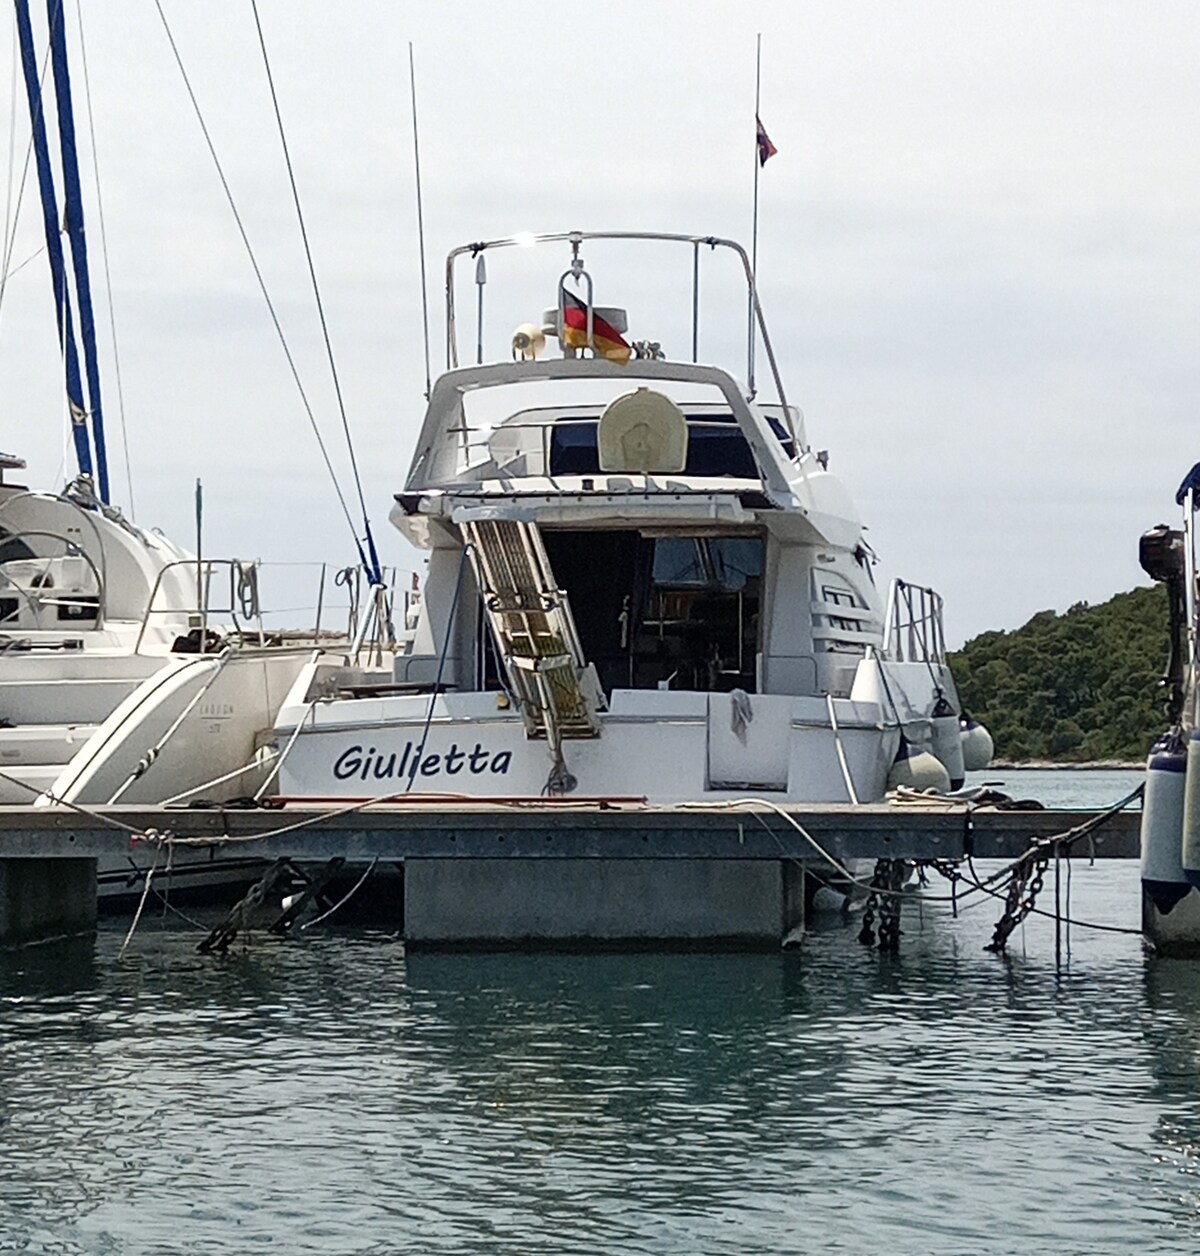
(1045, 765)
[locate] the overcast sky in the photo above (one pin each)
(978, 251)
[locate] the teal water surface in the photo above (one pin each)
(335, 1095)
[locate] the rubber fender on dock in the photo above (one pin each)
(977, 744)
(947, 741)
(1164, 877)
(917, 769)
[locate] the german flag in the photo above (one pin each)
(762, 140)
(606, 340)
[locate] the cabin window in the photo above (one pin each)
(13, 549)
(573, 449)
(678, 561)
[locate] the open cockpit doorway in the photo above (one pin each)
(668, 610)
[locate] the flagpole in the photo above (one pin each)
(751, 337)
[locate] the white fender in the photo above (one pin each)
(977, 744)
(918, 769)
(1191, 812)
(947, 741)
(1163, 876)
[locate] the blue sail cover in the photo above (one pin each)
(73, 210)
(54, 249)
(1191, 484)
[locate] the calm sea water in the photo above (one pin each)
(334, 1095)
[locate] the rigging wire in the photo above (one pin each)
(16, 270)
(10, 236)
(112, 318)
(9, 225)
(412, 83)
(373, 568)
(262, 283)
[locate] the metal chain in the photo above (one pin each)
(1023, 888)
(884, 900)
(866, 935)
(895, 874)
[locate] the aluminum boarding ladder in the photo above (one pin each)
(557, 690)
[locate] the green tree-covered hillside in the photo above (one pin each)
(1071, 687)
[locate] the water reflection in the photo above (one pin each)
(331, 1094)
(1171, 1028)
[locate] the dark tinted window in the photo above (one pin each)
(789, 445)
(735, 560)
(573, 449)
(776, 426)
(716, 447)
(714, 451)
(13, 549)
(677, 561)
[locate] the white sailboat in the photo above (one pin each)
(642, 581)
(91, 606)
(77, 633)
(130, 670)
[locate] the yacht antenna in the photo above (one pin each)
(480, 280)
(754, 227)
(201, 595)
(412, 82)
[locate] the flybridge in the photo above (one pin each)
(87, 416)
(608, 412)
(477, 430)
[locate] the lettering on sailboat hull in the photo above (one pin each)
(368, 764)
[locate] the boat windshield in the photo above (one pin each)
(716, 447)
(506, 430)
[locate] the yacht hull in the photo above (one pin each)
(665, 747)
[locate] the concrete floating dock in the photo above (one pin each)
(46, 898)
(536, 873)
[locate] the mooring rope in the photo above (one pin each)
(345, 899)
(38, 792)
(137, 915)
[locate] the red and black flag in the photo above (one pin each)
(607, 342)
(763, 140)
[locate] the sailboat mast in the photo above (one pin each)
(54, 249)
(73, 209)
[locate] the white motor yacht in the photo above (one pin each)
(642, 581)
